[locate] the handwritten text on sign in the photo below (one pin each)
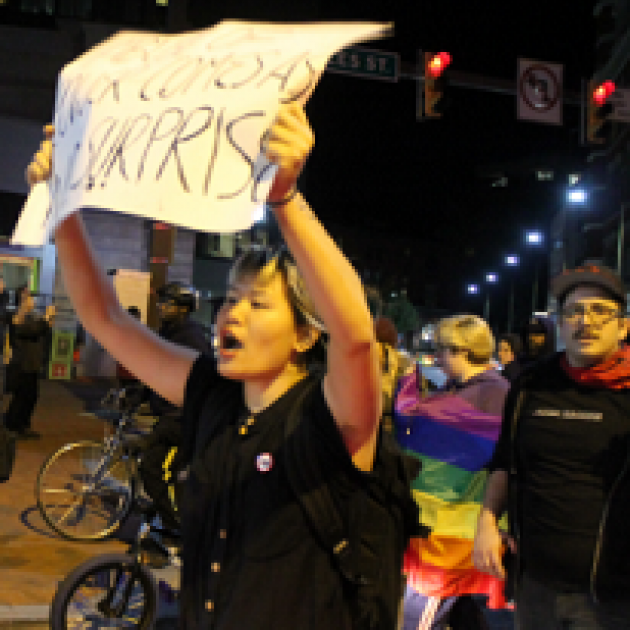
(170, 127)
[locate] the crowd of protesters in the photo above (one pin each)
(273, 439)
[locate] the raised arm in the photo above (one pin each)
(161, 365)
(352, 383)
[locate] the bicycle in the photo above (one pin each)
(86, 489)
(115, 590)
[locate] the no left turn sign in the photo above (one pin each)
(539, 93)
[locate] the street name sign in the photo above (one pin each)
(366, 63)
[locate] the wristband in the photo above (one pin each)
(277, 204)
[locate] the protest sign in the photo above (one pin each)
(31, 228)
(169, 126)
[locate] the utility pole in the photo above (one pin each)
(535, 290)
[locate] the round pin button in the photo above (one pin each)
(264, 462)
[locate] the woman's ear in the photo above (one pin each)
(307, 338)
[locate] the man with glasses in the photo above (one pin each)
(562, 469)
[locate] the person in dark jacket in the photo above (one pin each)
(176, 302)
(539, 340)
(28, 333)
(561, 468)
(508, 351)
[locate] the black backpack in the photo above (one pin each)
(368, 536)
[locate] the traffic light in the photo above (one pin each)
(435, 83)
(598, 111)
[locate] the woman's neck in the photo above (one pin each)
(262, 392)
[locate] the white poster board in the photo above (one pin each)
(132, 288)
(169, 127)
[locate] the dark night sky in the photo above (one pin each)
(375, 165)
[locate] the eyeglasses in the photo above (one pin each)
(599, 314)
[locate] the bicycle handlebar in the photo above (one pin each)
(126, 399)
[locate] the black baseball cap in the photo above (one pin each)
(591, 275)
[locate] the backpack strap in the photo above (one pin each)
(308, 483)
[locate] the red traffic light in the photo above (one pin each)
(438, 64)
(602, 92)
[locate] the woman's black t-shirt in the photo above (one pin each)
(250, 557)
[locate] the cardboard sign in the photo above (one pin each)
(170, 127)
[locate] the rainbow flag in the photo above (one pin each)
(454, 441)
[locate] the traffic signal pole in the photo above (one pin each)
(478, 82)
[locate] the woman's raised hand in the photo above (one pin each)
(40, 168)
(288, 145)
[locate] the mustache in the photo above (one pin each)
(585, 333)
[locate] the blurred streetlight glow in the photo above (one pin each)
(491, 278)
(473, 289)
(576, 196)
(534, 237)
(511, 261)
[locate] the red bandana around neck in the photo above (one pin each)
(614, 373)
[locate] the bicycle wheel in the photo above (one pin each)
(109, 591)
(84, 493)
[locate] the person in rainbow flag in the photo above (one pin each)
(453, 433)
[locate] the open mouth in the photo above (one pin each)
(230, 342)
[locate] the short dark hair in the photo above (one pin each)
(385, 331)
(514, 341)
(253, 260)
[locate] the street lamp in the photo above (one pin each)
(577, 196)
(491, 278)
(534, 238)
(511, 260)
(473, 289)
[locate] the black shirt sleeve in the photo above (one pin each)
(203, 376)
(324, 429)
